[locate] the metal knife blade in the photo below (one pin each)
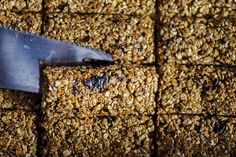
(20, 54)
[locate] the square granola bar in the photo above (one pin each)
(29, 22)
(21, 5)
(98, 136)
(185, 135)
(18, 136)
(198, 41)
(95, 91)
(134, 44)
(18, 100)
(218, 9)
(197, 90)
(146, 7)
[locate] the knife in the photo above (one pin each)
(22, 53)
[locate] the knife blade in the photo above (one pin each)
(21, 54)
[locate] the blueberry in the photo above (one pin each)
(110, 121)
(140, 48)
(115, 21)
(215, 82)
(75, 88)
(97, 82)
(169, 42)
(220, 127)
(85, 39)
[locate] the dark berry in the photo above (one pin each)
(220, 127)
(97, 82)
(85, 39)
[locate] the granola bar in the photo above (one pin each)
(198, 41)
(105, 90)
(21, 5)
(128, 39)
(199, 8)
(18, 136)
(18, 100)
(29, 22)
(146, 7)
(97, 136)
(197, 90)
(185, 135)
